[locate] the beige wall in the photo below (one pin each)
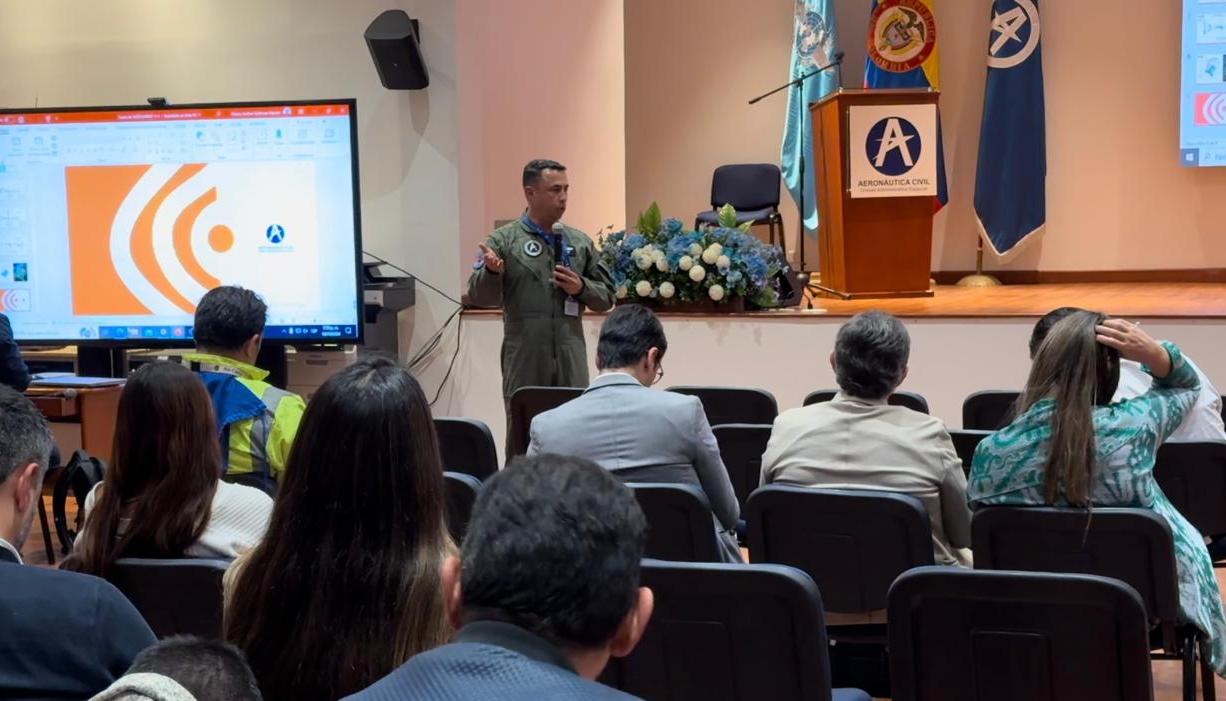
(1117, 198)
(540, 79)
(62, 52)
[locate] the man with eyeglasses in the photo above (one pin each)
(638, 434)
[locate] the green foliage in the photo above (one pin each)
(650, 221)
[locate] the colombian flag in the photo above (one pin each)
(902, 53)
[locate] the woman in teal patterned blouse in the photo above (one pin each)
(1071, 447)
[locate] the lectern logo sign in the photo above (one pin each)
(893, 146)
(1016, 31)
(903, 35)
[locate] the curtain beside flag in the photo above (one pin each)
(1010, 183)
(902, 53)
(813, 46)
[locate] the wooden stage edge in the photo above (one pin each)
(1149, 300)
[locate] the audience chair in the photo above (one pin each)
(462, 490)
(730, 633)
(1131, 545)
(753, 189)
(965, 442)
(175, 597)
(680, 526)
(1193, 477)
(77, 478)
(526, 403)
(467, 446)
(960, 635)
(989, 410)
(733, 405)
(741, 447)
(911, 400)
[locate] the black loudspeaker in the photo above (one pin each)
(791, 286)
(395, 47)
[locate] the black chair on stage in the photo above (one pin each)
(733, 405)
(461, 494)
(526, 403)
(911, 400)
(751, 188)
(1193, 477)
(174, 596)
(1134, 546)
(467, 445)
(741, 447)
(989, 410)
(965, 442)
(729, 633)
(959, 635)
(680, 526)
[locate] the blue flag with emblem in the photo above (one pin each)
(814, 46)
(903, 53)
(1010, 183)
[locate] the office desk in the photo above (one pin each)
(94, 409)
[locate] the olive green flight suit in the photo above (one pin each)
(541, 345)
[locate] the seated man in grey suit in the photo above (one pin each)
(545, 591)
(63, 635)
(638, 434)
(859, 441)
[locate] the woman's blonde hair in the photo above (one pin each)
(1077, 373)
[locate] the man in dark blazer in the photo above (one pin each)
(62, 634)
(13, 370)
(546, 591)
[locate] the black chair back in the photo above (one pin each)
(526, 403)
(461, 493)
(728, 633)
(1193, 477)
(733, 405)
(746, 186)
(958, 635)
(989, 410)
(77, 478)
(911, 400)
(741, 447)
(467, 446)
(175, 596)
(680, 526)
(853, 543)
(965, 442)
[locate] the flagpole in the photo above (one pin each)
(979, 279)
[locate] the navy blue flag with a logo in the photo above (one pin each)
(1010, 183)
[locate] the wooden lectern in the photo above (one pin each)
(870, 247)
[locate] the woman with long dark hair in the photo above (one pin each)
(346, 586)
(162, 495)
(1070, 446)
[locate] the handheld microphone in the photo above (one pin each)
(559, 233)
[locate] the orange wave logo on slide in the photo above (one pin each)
(114, 236)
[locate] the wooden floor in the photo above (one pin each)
(1149, 300)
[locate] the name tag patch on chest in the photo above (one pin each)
(533, 248)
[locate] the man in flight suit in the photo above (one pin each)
(543, 274)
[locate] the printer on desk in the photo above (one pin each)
(384, 298)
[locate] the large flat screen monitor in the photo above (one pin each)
(114, 221)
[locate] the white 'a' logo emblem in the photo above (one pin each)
(894, 138)
(1006, 30)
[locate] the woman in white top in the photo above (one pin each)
(162, 495)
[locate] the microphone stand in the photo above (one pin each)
(800, 229)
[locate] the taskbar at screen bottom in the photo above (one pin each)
(306, 332)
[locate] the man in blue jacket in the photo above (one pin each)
(13, 370)
(62, 635)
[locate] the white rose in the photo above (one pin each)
(645, 262)
(697, 273)
(685, 263)
(667, 290)
(723, 263)
(657, 254)
(712, 253)
(696, 249)
(643, 288)
(662, 265)
(716, 292)
(622, 292)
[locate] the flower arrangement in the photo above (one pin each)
(666, 263)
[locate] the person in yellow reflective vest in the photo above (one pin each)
(257, 421)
